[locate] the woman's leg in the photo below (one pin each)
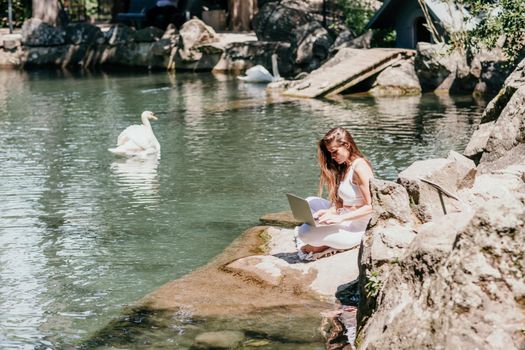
(334, 236)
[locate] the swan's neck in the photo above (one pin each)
(145, 122)
(275, 67)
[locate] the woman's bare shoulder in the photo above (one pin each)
(363, 168)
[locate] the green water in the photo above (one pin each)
(82, 234)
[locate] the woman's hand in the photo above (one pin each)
(322, 212)
(331, 218)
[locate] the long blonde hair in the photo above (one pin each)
(332, 173)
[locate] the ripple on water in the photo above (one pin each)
(82, 234)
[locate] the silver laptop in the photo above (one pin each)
(301, 210)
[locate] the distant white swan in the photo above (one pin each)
(138, 140)
(259, 74)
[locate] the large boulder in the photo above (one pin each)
(461, 282)
(84, 33)
(119, 34)
(436, 66)
(433, 184)
(277, 21)
(35, 32)
(390, 232)
(491, 68)
(291, 21)
(398, 79)
(499, 139)
(280, 266)
(312, 44)
(193, 35)
(147, 35)
(506, 143)
(348, 39)
(45, 55)
(11, 52)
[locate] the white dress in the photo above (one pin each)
(348, 233)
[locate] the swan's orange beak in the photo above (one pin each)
(153, 116)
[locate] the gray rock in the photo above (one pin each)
(509, 130)
(512, 83)
(290, 21)
(148, 35)
(11, 42)
(84, 33)
(389, 246)
(132, 54)
(277, 21)
(343, 39)
(398, 79)
(348, 39)
(515, 155)
(427, 201)
(162, 47)
(171, 33)
(219, 340)
(281, 219)
(391, 202)
(491, 68)
(281, 267)
(193, 34)
(501, 186)
(478, 141)
(119, 34)
(12, 58)
(466, 167)
(437, 67)
(312, 43)
(388, 235)
(42, 56)
(459, 286)
(35, 32)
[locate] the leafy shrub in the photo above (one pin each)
(21, 11)
(357, 14)
(373, 285)
(497, 20)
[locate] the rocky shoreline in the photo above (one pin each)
(288, 28)
(444, 250)
(255, 293)
(441, 264)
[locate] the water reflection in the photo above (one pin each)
(138, 175)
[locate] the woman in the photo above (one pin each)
(346, 173)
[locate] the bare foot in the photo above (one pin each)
(311, 249)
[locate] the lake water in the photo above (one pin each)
(83, 234)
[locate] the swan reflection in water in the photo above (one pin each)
(138, 175)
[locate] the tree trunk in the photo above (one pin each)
(46, 10)
(241, 14)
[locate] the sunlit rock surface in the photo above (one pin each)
(256, 293)
(398, 79)
(460, 282)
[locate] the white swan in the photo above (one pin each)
(138, 140)
(259, 74)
